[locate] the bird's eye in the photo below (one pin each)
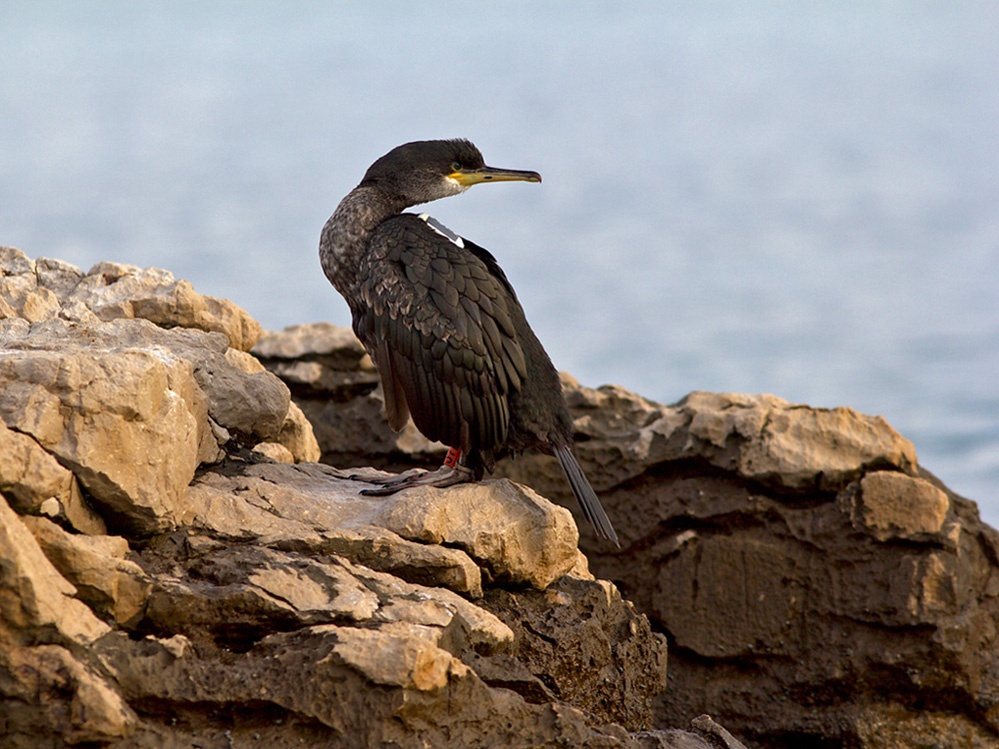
(456, 166)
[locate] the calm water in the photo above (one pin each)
(737, 196)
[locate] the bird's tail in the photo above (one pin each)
(585, 495)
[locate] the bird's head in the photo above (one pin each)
(427, 170)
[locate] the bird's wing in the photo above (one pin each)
(438, 318)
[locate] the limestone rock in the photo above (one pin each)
(790, 551)
(238, 594)
(509, 531)
(334, 652)
(71, 509)
(518, 534)
(704, 734)
(274, 451)
(133, 409)
(242, 396)
(893, 505)
(34, 482)
(51, 699)
(578, 638)
(111, 585)
(297, 437)
(117, 290)
(344, 686)
(22, 297)
(762, 438)
(248, 602)
(356, 433)
(37, 290)
(28, 474)
(33, 595)
(57, 276)
(816, 580)
(13, 262)
(312, 341)
(381, 549)
(125, 420)
(21, 294)
(295, 432)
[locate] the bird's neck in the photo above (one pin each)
(345, 236)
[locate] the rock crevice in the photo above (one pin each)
(178, 569)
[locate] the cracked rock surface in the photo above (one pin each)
(818, 587)
(176, 571)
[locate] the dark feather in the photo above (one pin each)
(441, 320)
(456, 354)
(587, 498)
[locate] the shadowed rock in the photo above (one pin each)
(251, 602)
(816, 583)
(34, 597)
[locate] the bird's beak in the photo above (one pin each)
(469, 177)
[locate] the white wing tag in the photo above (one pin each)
(438, 227)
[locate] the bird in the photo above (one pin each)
(443, 324)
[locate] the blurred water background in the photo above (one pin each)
(800, 199)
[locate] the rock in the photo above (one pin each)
(517, 534)
(238, 595)
(585, 643)
(319, 359)
(111, 585)
(127, 421)
(704, 734)
(51, 699)
(812, 577)
(249, 602)
(510, 532)
(337, 347)
(23, 298)
(381, 549)
(13, 262)
(295, 433)
(762, 438)
(246, 398)
(36, 290)
(34, 596)
(133, 409)
(274, 451)
(344, 686)
(117, 290)
(28, 474)
(21, 295)
(815, 580)
(74, 511)
(297, 437)
(57, 276)
(356, 434)
(893, 505)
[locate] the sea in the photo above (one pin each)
(791, 198)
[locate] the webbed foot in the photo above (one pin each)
(443, 476)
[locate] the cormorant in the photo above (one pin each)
(442, 322)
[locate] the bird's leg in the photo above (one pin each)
(453, 457)
(453, 471)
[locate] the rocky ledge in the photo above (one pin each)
(185, 559)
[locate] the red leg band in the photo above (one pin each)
(453, 456)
